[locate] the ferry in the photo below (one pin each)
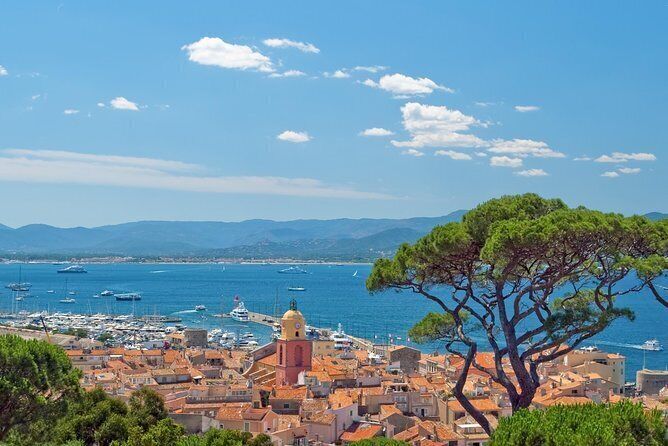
(200, 308)
(73, 269)
(293, 270)
(240, 313)
(128, 296)
(652, 345)
(296, 288)
(341, 340)
(107, 293)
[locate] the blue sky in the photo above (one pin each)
(121, 111)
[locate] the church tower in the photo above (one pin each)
(293, 350)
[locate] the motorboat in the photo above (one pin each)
(240, 313)
(107, 293)
(293, 270)
(296, 288)
(67, 300)
(128, 296)
(200, 308)
(341, 340)
(652, 345)
(73, 269)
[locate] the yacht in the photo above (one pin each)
(652, 345)
(128, 296)
(19, 286)
(107, 293)
(51, 292)
(341, 340)
(200, 308)
(240, 313)
(293, 270)
(73, 269)
(296, 288)
(67, 300)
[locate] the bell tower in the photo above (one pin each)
(293, 350)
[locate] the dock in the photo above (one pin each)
(269, 321)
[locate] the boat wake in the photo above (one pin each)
(185, 311)
(621, 344)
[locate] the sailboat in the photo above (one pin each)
(355, 273)
(66, 299)
(19, 286)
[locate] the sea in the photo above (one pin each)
(334, 294)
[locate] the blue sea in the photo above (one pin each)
(334, 294)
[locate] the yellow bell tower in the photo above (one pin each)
(293, 350)
(293, 324)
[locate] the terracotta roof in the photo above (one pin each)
(232, 411)
(289, 393)
(361, 431)
(342, 398)
(269, 360)
(389, 409)
(482, 404)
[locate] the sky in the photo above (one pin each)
(155, 110)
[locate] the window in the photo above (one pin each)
(246, 426)
(286, 405)
(297, 334)
(280, 355)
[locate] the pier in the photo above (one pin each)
(269, 321)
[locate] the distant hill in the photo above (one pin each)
(342, 239)
(339, 239)
(656, 216)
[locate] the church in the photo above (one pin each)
(293, 350)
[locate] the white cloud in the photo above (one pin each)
(370, 69)
(437, 126)
(619, 157)
(412, 152)
(287, 43)
(120, 103)
(629, 170)
(405, 86)
(526, 108)
(70, 111)
(454, 155)
(292, 136)
(523, 148)
(376, 131)
(63, 167)
(101, 104)
(35, 97)
(481, 154)
(532, 173)
(216, 52)
(582, 158)
(504, 161)
(3, 71)
(485, 104)
(610, 174)
(338, 74)
(288, 73)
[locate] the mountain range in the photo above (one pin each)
(335, 240)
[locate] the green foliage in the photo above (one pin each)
(379, 441)
(146, 408)
(78, 332)
(36, 378)
(225, 437)
(164, 433)
(433, 327)
(104, 337)
(620, 424)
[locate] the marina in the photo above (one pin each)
(334, 294)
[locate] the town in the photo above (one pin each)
(301, 390)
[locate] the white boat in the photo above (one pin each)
(652, 345)
(107, 293)
(341, 340)
(200, 308)
(51, 292)
(73, 269)
(293, 270)
(296, 288)
(128, 296)
(240, 313)
(355, 273)
(67, 300)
